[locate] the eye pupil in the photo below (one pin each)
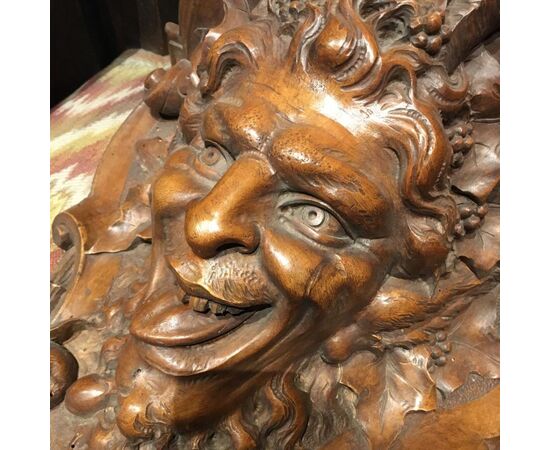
(210, 156)
(314, 216)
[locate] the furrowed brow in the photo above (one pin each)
(242, 128)
(307, 165)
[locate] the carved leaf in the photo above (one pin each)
(484, 73)
(473, 425)
(474, 344)
(117, 230)
(457, 10)
(481, 249)
(388, 388)
(123, 227)
(480, 173)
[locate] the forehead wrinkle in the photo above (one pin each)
(247, 125)
(295, 114)
(329, 147)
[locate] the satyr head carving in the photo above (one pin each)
(303, 227)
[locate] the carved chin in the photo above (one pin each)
(175, 338)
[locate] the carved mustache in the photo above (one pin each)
(228, 280)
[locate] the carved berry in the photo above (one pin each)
(440, 336)
(420, 40)
(468, 142)
(434, 45)
(445, 346)
(465, 211)
(472, 223)
(482, 210)
(457, 144)
(433, 22)
(461, 129)
(63, 371)
(88, 394)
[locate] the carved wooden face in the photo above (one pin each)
(305, 240)
(279, 224)
(280, 220)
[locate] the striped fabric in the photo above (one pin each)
(82, 125)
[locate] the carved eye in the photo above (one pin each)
(313, 216)
(316, 222)
(212, 161)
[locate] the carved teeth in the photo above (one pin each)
(203, 305)
(199, 304)
(217, 308)
(234, 311)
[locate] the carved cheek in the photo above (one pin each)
(290, 262)
(306, 272)
(345, 281)
(366, 269)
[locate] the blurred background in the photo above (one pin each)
(87, 35)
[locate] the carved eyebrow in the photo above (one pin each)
(240, 128)
(304, 161)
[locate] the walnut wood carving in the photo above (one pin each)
(293, 242)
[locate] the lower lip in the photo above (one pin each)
(178, 325)
(226, 350)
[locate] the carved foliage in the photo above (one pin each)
(388, 388)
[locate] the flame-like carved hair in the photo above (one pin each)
(335, 43)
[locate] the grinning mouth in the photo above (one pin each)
(170, 321)
(195, 334)
(192, 330)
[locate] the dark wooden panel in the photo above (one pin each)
(86, 35)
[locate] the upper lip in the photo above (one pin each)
(170, 319)
(198, 290)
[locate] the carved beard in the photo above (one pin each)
(285, 412)
(308, 403)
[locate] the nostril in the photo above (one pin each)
(232, 247)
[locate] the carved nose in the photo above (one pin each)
(224, 218)
(210, 231)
